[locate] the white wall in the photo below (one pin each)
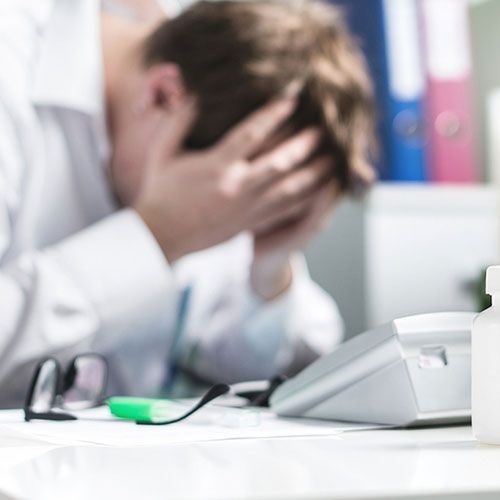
(407, 249)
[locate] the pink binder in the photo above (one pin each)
(452, 151)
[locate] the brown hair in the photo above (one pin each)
(237, 55)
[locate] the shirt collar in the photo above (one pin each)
(69, 71)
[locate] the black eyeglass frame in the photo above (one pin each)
(64, 382)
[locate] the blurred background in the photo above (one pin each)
(422, 238)
(420, 241)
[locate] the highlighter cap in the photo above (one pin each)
(143, 409)
(493, 280)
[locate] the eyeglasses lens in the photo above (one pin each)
(88, 378)
(45, 388)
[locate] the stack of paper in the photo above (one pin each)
(98, 427)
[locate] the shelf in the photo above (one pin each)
(431, 197)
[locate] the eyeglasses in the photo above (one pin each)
(52, 392)
(82, 385)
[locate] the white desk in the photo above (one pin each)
(441, 463)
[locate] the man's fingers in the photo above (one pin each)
(323, 207)
(246, 138)
(284, 215)
(284, 158)
(311, 213)
(296, 185)
(173, 130)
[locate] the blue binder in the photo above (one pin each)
(389, 36)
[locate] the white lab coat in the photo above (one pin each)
(79, 274)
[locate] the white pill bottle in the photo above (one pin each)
(485, 354)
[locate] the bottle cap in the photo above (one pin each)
(493, 280)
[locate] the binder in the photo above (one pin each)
(485, 35)
(449, 70)
(389, 34)
(406, 90)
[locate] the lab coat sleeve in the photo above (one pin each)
(101, 285)
(97, 285)
(247, 338)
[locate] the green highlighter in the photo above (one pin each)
(144, 409)
(149, 411)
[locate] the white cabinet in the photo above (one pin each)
(407, 249)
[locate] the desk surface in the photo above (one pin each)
(438, 462)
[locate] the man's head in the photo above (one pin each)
(234, 56)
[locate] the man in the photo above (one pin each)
(144, 214)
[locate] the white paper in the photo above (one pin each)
(97, 427)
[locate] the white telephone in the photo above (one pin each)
(413, 371)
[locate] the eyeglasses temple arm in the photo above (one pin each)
(214, 392)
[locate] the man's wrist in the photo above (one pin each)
(271, 277)
(152, 222)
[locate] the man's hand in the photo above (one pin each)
(192, 201)
(271, 272)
